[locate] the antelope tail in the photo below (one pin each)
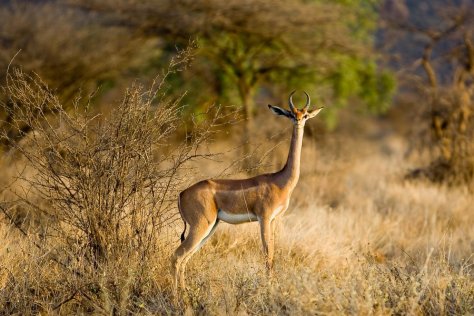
(179, 208)
(182, 235)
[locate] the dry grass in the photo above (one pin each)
(387, 247)
(357, 239)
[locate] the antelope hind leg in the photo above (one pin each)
(196, 238)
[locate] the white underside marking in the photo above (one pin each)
(205, 238)
(236, 218)
(276, 211)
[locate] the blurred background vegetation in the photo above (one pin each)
(357, 54)
(362, 55)
(244, 49)
(109, 108)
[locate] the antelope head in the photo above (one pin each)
(298, 116)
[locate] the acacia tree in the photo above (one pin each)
(442, 75)
(64, 46)
(280, 45)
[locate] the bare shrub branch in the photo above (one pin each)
(107, 186)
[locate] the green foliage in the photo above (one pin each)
(332, 55)
(377, 88)
(244, 49)
(363, 21)
(358, 75)
(361, 78)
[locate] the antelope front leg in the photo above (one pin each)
(267, 241)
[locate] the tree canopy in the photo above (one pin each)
(325, 47)
(245, 49)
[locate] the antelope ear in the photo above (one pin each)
(314, 112)
(280, 111)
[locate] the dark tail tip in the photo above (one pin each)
(182, 235)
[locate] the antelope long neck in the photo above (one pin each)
(291, 170)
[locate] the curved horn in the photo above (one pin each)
(308, 101)
(290, 102)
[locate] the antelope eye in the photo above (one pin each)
(305, 116)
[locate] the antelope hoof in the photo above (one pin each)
(269, 266)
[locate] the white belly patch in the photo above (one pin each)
(236, 218)
(277, 211)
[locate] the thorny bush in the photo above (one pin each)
(105, 187)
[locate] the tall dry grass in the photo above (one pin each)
(385, 246)
(357, 239)
(91, 195)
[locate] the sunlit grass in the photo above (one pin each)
(389, 246)
(368, 243)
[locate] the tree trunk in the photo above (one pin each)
(246, 97)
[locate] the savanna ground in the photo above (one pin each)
(381, 221)
(357, 239)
